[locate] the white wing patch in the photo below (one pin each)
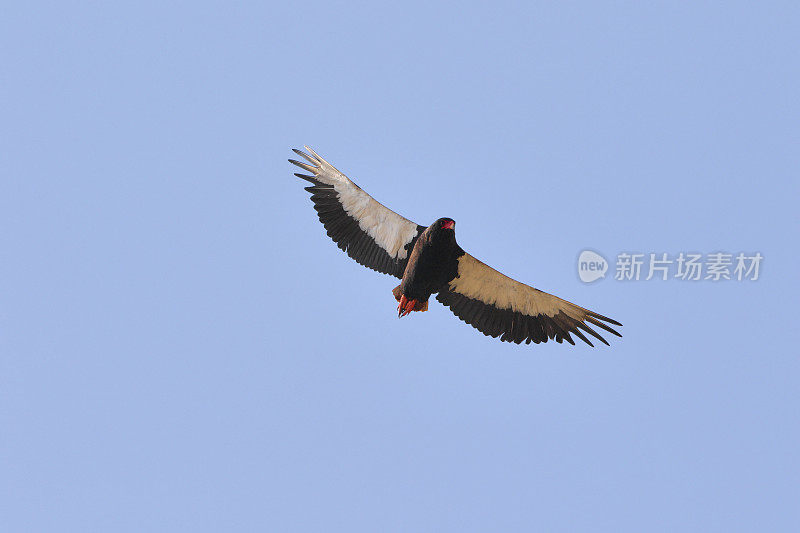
(481, 282)
(389, 230)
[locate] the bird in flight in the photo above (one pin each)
(428, 261)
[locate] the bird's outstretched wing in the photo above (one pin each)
(368, 231)
(499, 306)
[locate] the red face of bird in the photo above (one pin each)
(448, 223)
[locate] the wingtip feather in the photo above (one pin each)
(305, 156)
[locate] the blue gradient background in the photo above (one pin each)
(183, 349)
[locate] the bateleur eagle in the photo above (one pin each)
(429, 261)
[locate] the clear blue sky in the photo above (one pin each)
(183, 349)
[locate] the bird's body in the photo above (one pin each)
(432, 264)
(428, 261)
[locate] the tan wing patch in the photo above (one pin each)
(479, 281)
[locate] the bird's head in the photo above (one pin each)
(443, 230)
(446, 223)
